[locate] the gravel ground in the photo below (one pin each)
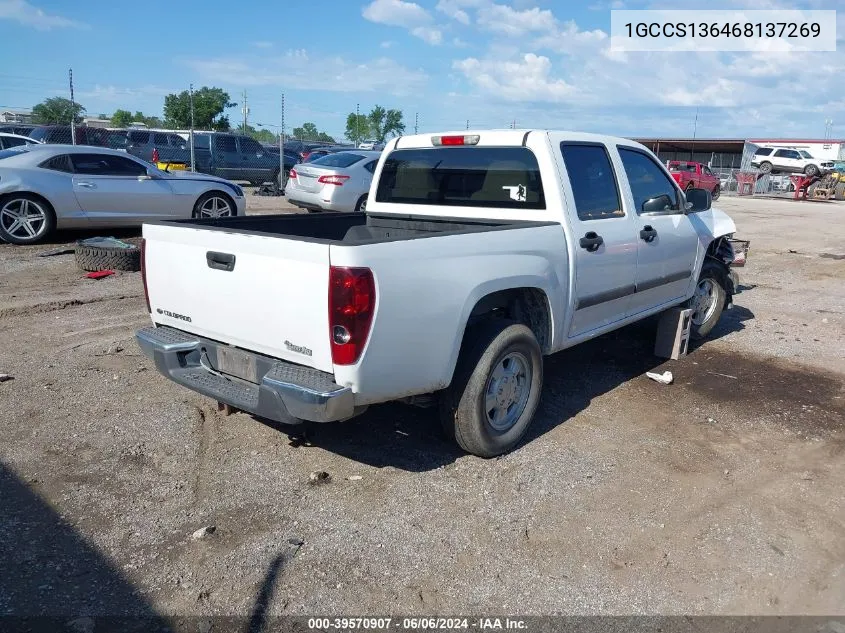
(719, 494)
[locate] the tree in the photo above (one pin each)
(309, 132)
(262, 136)
(385, 122)
(121, 118)
(57, 110)
(357, 129)
(209, 105)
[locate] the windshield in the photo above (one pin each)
(341, 159)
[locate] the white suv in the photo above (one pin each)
(788, 160)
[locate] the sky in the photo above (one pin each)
(537, 63)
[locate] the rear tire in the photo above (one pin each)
(839, 192)
(765, 167)
(708, 302)
(361, 207)
(811, 170)
(496, 388)
(25, 219)
(717, 192)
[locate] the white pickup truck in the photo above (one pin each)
(479, 253)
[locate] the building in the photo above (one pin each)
(96, 122)
(15, 116)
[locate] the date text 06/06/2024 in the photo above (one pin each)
(415, 623)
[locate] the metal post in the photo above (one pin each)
(467, 123)
(191, 135)
(282, 148)
(357, 127)
(72, 109)
(416, 122)
(245, 111)
(694, 130)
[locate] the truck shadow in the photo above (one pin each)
(52, 576)
(410, 438)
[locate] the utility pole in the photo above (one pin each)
(72, 108)
(282, 149)
(694, 131)
(191, 98)
(416, 122)
(467, 123)
(245, 111)
(357, 127)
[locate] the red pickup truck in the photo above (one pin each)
(688, 175)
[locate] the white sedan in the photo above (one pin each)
(45, 187)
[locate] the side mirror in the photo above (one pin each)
(698, 200)
(659, 203)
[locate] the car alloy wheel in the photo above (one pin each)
(507, 390)
(23, 219)
(216, 207)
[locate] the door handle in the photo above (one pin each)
(647, 234)
(220, 261)
(87, 185)
(591, 241)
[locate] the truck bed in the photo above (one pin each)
(348, 228)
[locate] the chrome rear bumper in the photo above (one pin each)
(286, 393)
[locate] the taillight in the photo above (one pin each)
(333, 179)
(155, 154)
(144, 272)
(305, 156)
(464, 139)
(292, 173)
(352, 302)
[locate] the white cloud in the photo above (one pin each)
(396, 13)
(408, 15)
(453, 9)
(299, 70)
(502, 18)
(515, 80)
(115, 94)
(428, 34)
(263, 44)
(386, 44)
(29, 15)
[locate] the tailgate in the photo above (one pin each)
(273, 301)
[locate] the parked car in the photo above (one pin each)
(319, 152)
(690, 175)
(239, 158)
(44, 187)
(788, 160)
(336, 182)
(479, 253)
(61, 134)
(371, 144)
(170, 146)
(14, 140)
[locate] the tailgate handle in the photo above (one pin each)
(220, 261)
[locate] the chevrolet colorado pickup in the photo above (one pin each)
(479, 253)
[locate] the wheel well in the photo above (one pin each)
(31, 194)
(525, 305)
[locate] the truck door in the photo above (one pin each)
(605, 241)
(667, 242)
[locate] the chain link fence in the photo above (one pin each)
(236, 157)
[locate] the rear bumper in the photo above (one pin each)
(320, 200)
(287, 393)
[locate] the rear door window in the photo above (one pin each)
(225, 144)
(58, 163)
(201, 141)
(139, 138)
(501, 177)
(593, 181)
(160, 139)
(338, 160)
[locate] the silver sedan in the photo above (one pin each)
(335, 182)
(45, 187)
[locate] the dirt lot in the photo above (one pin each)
(721, 493)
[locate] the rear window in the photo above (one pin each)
(139, 138)
(763, 151)
(201, 141)
(681, 167)
(338, 160)
(502, 177)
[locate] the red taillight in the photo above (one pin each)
(333, 179)
(352, 302)
(304, 156)
(463, 139)
(155, 154)
(144, 272)
(292, 173)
